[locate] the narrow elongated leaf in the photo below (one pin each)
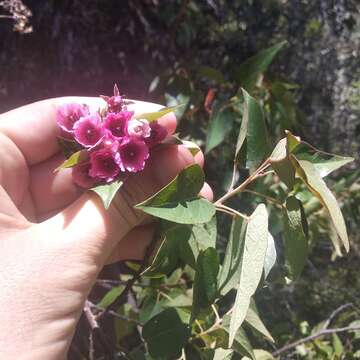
(260, 355)
(295, 240)
(249, 71)
(221, 123)
(165, 334)
(107, 192)
(230, 271)
(153, 116)
(241, 343)
(178, 201)
(270, 257)
(110, 296)
(223, 354)
(252, 264)
(73, 160)
(252, 135)
(308, 173)
(252, 318)
(205, 284)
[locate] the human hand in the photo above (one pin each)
(55, 239)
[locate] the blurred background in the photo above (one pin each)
(191, 52)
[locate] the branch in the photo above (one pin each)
(320, 333)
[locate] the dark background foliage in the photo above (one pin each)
(83, 47)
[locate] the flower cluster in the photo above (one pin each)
(115, 142)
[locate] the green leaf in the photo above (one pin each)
(110, 296)
(252, 318)
(324, 163)
(211, 74)
(220, 125)
(180, 99)
(107, 192)
(191, 146)
(270, 257)
(223, 354)
(252, 264)
(153, 116)
(230, 271)
(308, 173)
(241, 343)
(165, 334)
(173, 238)
(249, 71)
(68, 147)
(252, 139)
(178, 201)
(205, 283)
(295, 239)
(260, 355)
(282, 165)
(74, 159)
(205, 234)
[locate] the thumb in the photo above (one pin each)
(93, 231)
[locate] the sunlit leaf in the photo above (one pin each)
(252, 318)
(270, 257)
(230, 271)
(153, 116)
(220, 125)
(249, 71)
(252, 144)
(110, 296)
(252, 263)
(178, 201)
(108, 191)
(73, 160)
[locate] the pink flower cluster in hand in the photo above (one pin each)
(115, 141)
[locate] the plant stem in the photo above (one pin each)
(230, 211)
(244, 184)
(268, 198)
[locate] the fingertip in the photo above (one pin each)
(168, 121)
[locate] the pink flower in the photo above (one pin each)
(116, 123)
(88, 131)
(133, 154)
(81, 177)
(139, 128)
(68, 114)
(104, 164)
(157, 134)
(114, 103)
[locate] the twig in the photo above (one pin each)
(231, 211)
(95, 329)
(335, 313)
(322, 332)
(268, 198)
(233, 178)
(244, 184)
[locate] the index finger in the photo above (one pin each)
(34, 131)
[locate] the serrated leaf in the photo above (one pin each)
(110, 296)
(220, 125)
(229, 275)
(153, 116)
(252, 144)
(107, 192)
(73, 160)
(205, 283)
(270, 257)
(252, 318)
(178, 201)
(250, 70)
(295, 239)
(252, 263)
(165, 334)
(308, 173)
